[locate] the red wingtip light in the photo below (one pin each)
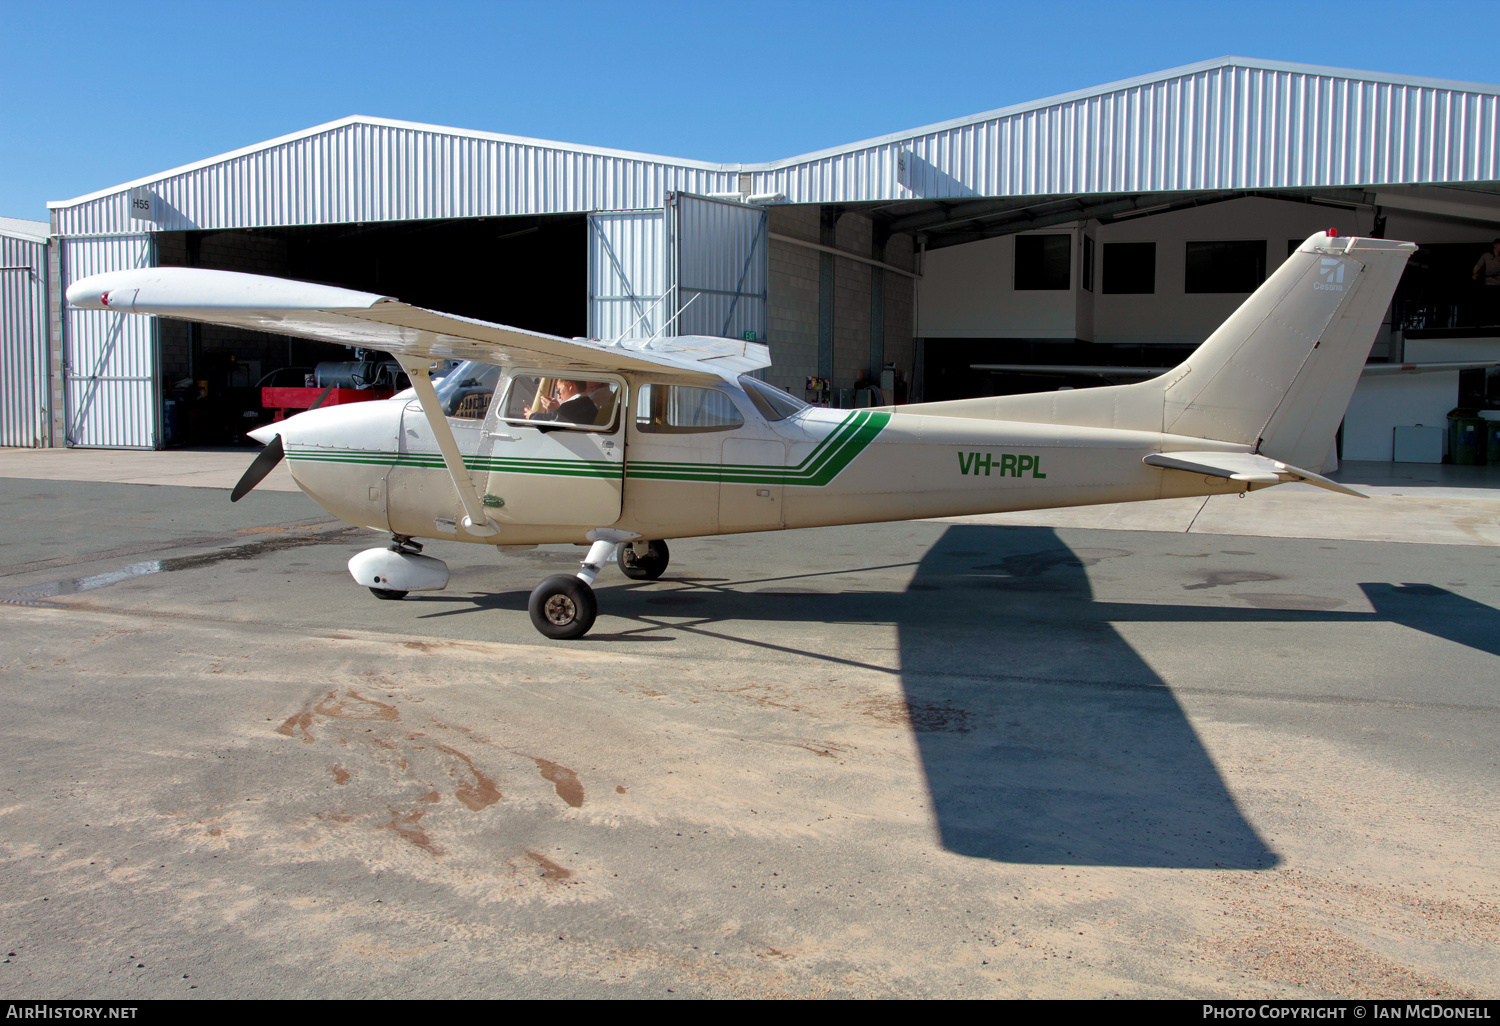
(1333, 233)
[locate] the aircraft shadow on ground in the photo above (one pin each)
(1044, 736)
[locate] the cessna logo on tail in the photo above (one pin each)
(1331, 270)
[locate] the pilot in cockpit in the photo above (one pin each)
(569, 403)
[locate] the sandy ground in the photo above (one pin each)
(965, 759)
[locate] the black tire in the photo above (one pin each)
(643, 560)
(563, 607)
(389, 594)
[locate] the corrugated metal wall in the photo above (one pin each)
(627, 273)
(373, 171)
(1224, 128)
(109, 359)
(721, 265)
(23, 342)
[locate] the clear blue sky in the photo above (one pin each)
(95, 94)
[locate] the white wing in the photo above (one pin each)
(371, 321)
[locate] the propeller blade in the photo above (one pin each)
(263, 465)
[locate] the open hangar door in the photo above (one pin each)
(698, 266)
(525, 271)
(719, 266)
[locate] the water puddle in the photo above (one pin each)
(38, 594)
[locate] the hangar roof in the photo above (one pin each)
(1231, 124)
(20, 228)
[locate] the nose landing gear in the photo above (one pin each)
(563, 607)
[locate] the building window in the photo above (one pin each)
(1225, 266)
(1043, 262)
(1087, 281)
(1129, 268)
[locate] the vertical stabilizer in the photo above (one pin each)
(1278, 374)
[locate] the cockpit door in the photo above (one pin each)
(565, 472)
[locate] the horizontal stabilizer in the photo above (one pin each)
(1249, 467)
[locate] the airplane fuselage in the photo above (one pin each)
(374, 465)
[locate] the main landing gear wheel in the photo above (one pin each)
(643, 560)
(389, 594)
(563, 607)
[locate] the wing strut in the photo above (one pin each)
(477, 523)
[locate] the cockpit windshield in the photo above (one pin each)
(467, 389)
(772, 402)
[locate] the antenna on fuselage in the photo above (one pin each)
(676, 315)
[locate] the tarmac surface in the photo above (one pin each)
(1006, 756)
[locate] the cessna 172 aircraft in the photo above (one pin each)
(539, 439)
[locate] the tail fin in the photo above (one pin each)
(1276, 376)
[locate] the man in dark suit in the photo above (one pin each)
(570, 404)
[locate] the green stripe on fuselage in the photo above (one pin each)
(829, 459)
(482, 464)
(821, 466)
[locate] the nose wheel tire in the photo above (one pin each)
(643, 560)
(563, 607)
(389, 594)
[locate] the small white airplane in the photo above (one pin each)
(538, 439)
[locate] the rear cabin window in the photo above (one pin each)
(682, 409)
(560, 401)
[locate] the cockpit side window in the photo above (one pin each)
(561, 399)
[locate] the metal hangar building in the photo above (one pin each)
(25, 392)
(1046, 243)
